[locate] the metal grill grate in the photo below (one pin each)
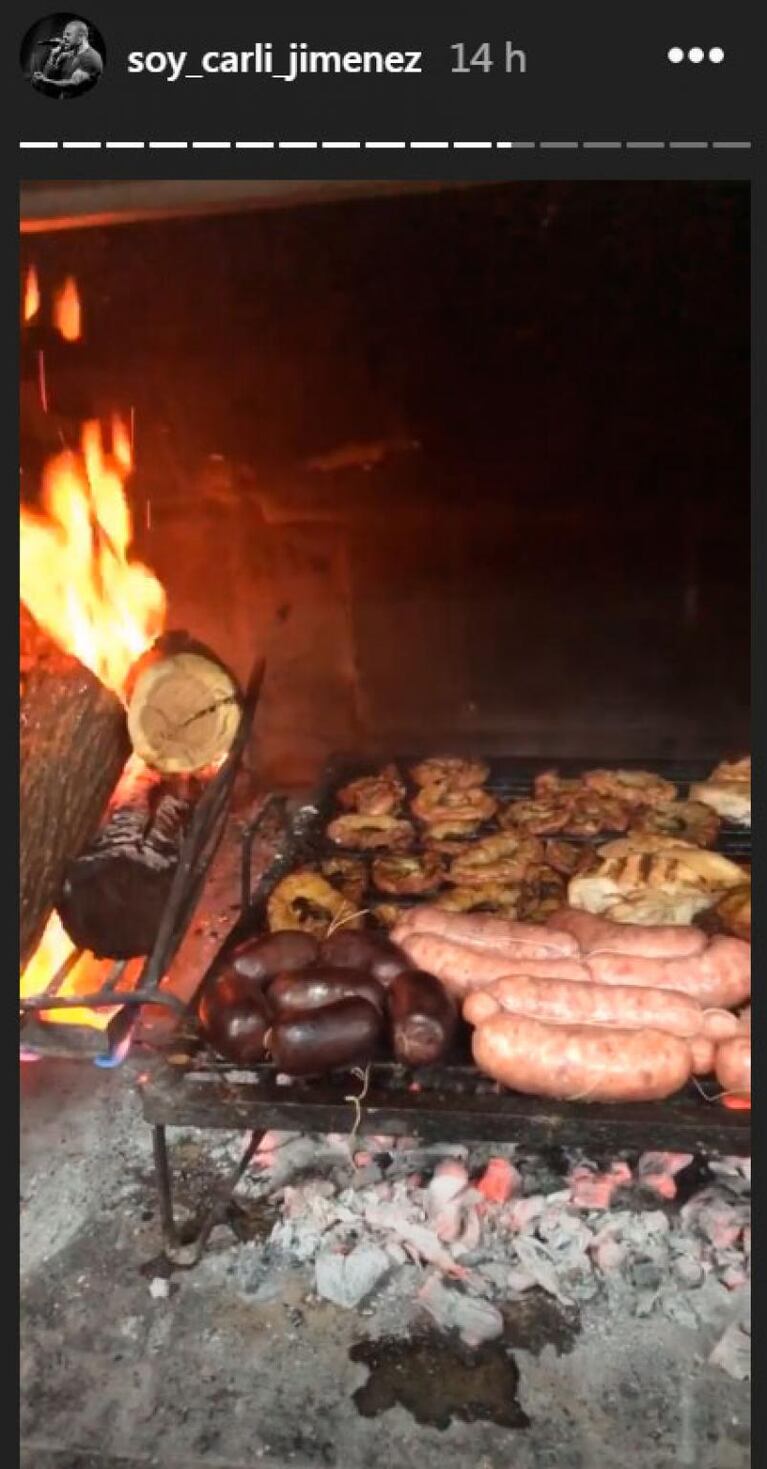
(510, 778)
(187, 1086)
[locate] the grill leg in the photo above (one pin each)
(186, 1253)
(164, 1186)
(222, 1196)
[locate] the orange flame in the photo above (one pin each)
(81, 585)
(121, 443)
(31, 294)
(77, 577)
(67, 314)
(55, 948)
(86, 976)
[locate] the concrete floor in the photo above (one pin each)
(241, 1366)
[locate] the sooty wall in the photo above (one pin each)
(562, 565)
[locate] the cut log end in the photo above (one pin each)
(183, 710)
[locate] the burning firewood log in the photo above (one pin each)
(115, 891)
(184, 706)
(73, 746)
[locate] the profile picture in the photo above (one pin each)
(63, 56)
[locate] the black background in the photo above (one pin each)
(594, 73)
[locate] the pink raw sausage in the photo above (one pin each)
(703, 1054)
(581, 1062)
(485, 931)
(733, 1065)
(719, 977)
(601, 935)
(462, 969)
(560, 1002)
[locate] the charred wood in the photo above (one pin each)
(114, 894)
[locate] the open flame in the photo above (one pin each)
(83, 588)
(77, 577)
(56, 950)
(52, 952)
(67, 312)
(31, 294)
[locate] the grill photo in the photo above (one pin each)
(385, 725)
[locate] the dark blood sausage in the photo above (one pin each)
(371, 951)
(423, 1018)
(275, 953)
(289, 994)
(343, 1034)
(234, 1018)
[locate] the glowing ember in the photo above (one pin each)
(77, 577)
(67, 314)
(31, 294)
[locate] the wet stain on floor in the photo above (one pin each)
(535, 1321)
(437, 1379)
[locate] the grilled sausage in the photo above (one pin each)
(729, 961)
(462, 969)
(628, 969)
(733, 1065)
(479, 1005)
(581, 1062)
(601, 935)
(631, 1006)
(719, 1025)
(718, 977)
(571, 969)
(290, 994)
(423, 1018)
(343, 1034)
(561, 1002)
(703, 1052)
(484, 931)
(234, 1018)
(275, 953)
(372, 951)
